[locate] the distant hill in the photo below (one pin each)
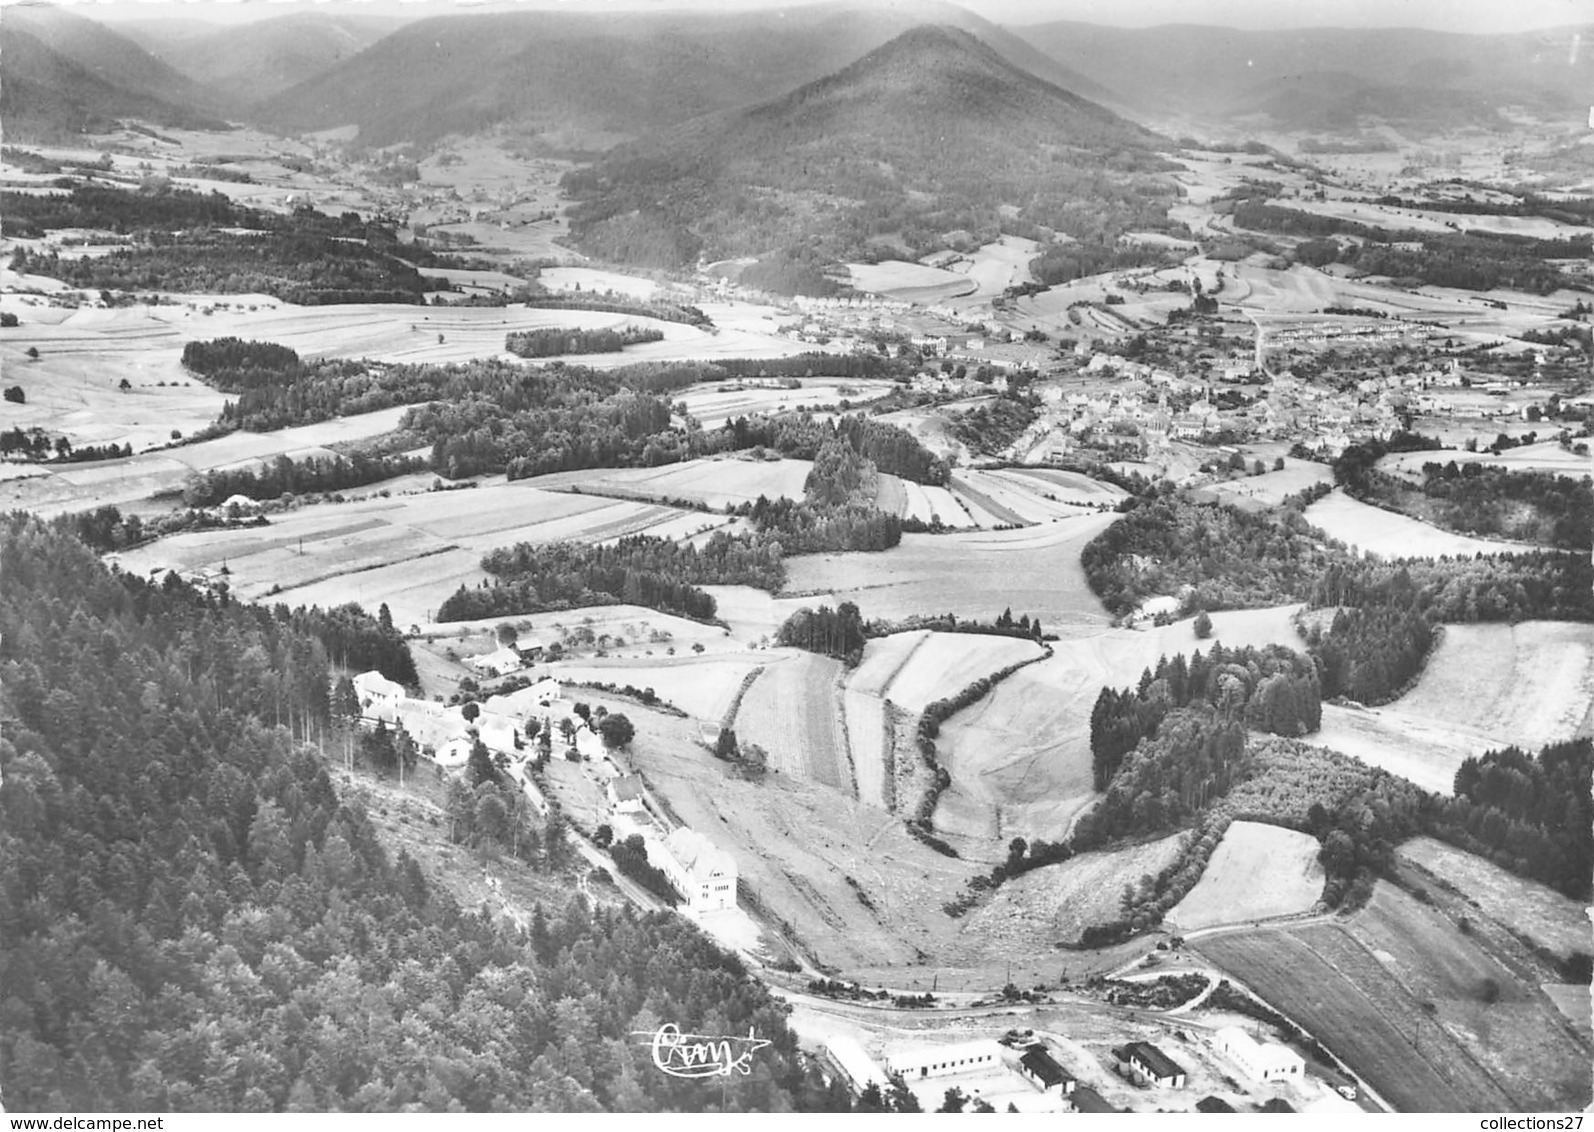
(930, 133)
(1319, 78)
(65, 75)
(252, 62)
(631, 76)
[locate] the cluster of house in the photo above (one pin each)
(1035, 1062)
(501, 724)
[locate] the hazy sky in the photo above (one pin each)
(1450, 15)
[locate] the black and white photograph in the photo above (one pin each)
(796, 556)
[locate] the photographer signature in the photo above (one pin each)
(697, 1055)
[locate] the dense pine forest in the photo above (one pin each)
(194, 921)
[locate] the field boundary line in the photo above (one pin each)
(838, 706)
(729, 718)
(367, 569)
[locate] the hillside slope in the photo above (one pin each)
(931, 132)
(48, 96)
(64, 73)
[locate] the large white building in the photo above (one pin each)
(379, 697)
(1260, 1061)
(920, 1061)
(856, 1066)
(702, 873)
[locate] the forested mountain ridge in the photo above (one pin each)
(541, 70)
(48, 96)
(932, 132)
(1328, 78)
(191, 920)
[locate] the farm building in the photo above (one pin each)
(1214, 1104)
(1041, 1069)
(917, 1062)
(625, 794)
(1261, 1061)
(702, 873)
(379, 697)
(497, 662)
(1146, 1064)
(855, 1066)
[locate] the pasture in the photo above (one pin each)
(913, 282)
(712, 404)
(860, 890)
(712, 481)
(1387, 534)
(793, 712)
(1484, 687)
(1033, 570)
(1545, 457)
(753, 615)
(915, 669)
(702, 686)
(132, 481)
(1020, 757)
(410, 551)
(1271, 488)
(911, 670)
(592, 279)
(1257, 871)
(1552, 921)
(1054, 904)
(995, 267)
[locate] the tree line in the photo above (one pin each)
(554, 341)
(281, 476)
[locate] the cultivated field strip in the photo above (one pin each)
(793, 712)
(1333, 987)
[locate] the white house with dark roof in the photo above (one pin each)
(625, 794)
(379, 697)
(702, 873)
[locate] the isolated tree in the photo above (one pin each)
(124, 385)
(725, 747)
(480, 766)
(1203, 625)
(506, 634)
(755, 760)
(15, 395)
(954, 1101)
(1278, 464)
(603, 835)
(33, 352)
(616, 729)
(471, 711)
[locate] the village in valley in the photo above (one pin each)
(1122, 645)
